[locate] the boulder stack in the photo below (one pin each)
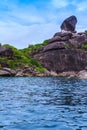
(69, 24)
(64, 52)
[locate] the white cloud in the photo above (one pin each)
(60, 3)
(24, 14)
(82, 6)
(21, 36)
(26, 24)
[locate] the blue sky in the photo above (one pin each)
(24, 22)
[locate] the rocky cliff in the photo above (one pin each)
(65, 51)
(65, 54)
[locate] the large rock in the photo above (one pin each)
(7, 72)
(75, 40)
(69, 24)
(59, 60)
(55, 39)
(6, 52)
(54, 46)
(82, 74)
(63, 34)
(27, 71)
(64, 52)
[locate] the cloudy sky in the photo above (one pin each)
(24, 22)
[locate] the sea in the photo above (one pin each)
(43, 103)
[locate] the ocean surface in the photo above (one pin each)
(32, 103)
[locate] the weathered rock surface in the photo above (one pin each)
(69, 24)
(62, 56)
(63, 60)
(54, 45)
(26, 71)
(6, 52)
(30, 71)
(82, 74)
(64, 53)
(7, 72)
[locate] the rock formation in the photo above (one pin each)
(6, 52)
(69, 24)
(64, 52)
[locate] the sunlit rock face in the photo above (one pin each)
(69, 24)
(64, 52)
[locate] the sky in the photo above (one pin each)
(26, 22)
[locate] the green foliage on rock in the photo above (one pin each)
(2, 59)
(38, 46)
(86, 32)
(22, 57)
(40, 69)
(84, 46)
(67, 45)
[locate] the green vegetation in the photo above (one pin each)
(84, 46)
(67, 45)
(3, 59)
(86, 32)
(37, 46)
(22, 58)
(40, 69)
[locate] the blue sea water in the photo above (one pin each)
(32, 103)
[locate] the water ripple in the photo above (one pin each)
(43, 104)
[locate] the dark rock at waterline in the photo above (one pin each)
(7, 72)
(59, 60)
(69, 24)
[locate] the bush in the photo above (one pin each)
(22, 57)
(37, 46)
(40, 69)
(67, 45)
(35, 63)
(3, 59)
(86, 32)
(45, 42)
(84, 46)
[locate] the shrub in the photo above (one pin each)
(3, 59)
(37, 46)
(11, 64)
(67, 45)
(35, 63)
(22, 57)
(86, 32)
(0, 44)
(40, 69)
(45, 42)
(84, 46)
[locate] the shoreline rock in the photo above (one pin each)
(26, 72)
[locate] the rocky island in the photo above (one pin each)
(65, 54)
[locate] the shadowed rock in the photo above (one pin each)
(64, 52)
(69, 24)
(6, 52)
